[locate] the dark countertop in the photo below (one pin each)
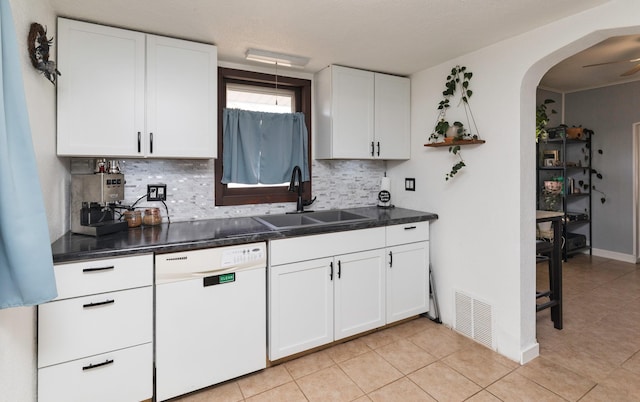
(181, 236)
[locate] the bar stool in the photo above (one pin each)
(550, 251)
(544, 250)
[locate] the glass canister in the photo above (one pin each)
(152, 217)
(133, 218)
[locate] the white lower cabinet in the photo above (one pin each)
(407, 280)
(407, 270)
(121, 375)
(318, 301)
(359, 292)
(327, 287)
(95, 339)
(300, 307)
(325, 297)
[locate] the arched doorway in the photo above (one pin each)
(528, 103)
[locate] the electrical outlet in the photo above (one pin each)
(156, 192)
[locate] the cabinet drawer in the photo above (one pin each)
(122, 375)
(80, 327)
(105, 275)
(407, 233)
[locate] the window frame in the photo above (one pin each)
(224, 195)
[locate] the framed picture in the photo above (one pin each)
(549, 162)
(553, 154)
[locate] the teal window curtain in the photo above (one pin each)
(263, 148)
(26, 264)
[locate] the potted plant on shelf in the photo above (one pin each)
(542, 119)
(455, 133)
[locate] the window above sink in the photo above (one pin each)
(299, 93)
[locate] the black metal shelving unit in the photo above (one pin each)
(571, 166)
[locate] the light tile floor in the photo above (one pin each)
(596, 357)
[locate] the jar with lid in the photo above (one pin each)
(133, 218)
(152, 217)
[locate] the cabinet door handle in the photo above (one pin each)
(99, 269)
(103, 303)
(339, 269)
(378, 148)
(92, 366)
(150, 143)
(410, 227)
(390, 259)
(331, 271)
(139, 142)
(372, 148)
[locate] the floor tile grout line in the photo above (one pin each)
(351, 379)
(480, 385)
(587, 393)
(295, 381)
(543, 386)
(424, 390)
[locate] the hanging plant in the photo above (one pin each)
(458, 81)
(542, 119)
(594, 172)
(599, 176)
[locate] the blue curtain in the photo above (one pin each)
(26, 265)
(261, 147)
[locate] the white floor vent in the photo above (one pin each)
(474, 319)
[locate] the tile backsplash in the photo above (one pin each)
(190, 186)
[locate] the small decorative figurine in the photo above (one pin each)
(39, 52)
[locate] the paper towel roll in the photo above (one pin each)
(385, 184)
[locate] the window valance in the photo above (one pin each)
(263, 148)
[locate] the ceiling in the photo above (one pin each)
(571, 74)
(392, 36)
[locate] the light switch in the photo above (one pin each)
(410, 184)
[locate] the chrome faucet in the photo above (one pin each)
(296, 185)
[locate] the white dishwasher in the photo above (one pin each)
(210, 317)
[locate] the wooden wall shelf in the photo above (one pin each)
(459, 142)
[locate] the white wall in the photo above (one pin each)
(483, 242)
(41, 98)
(611, 112)
(17, 325)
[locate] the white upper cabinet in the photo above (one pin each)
(129, 94)
(362, 115)
(345, 105)
(392, 117)
(181, 98)
(100, 91)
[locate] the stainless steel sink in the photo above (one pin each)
(337, 215)
(282, 221)
(317, 218)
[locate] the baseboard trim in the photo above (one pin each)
(530, 353)
(614, 255)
